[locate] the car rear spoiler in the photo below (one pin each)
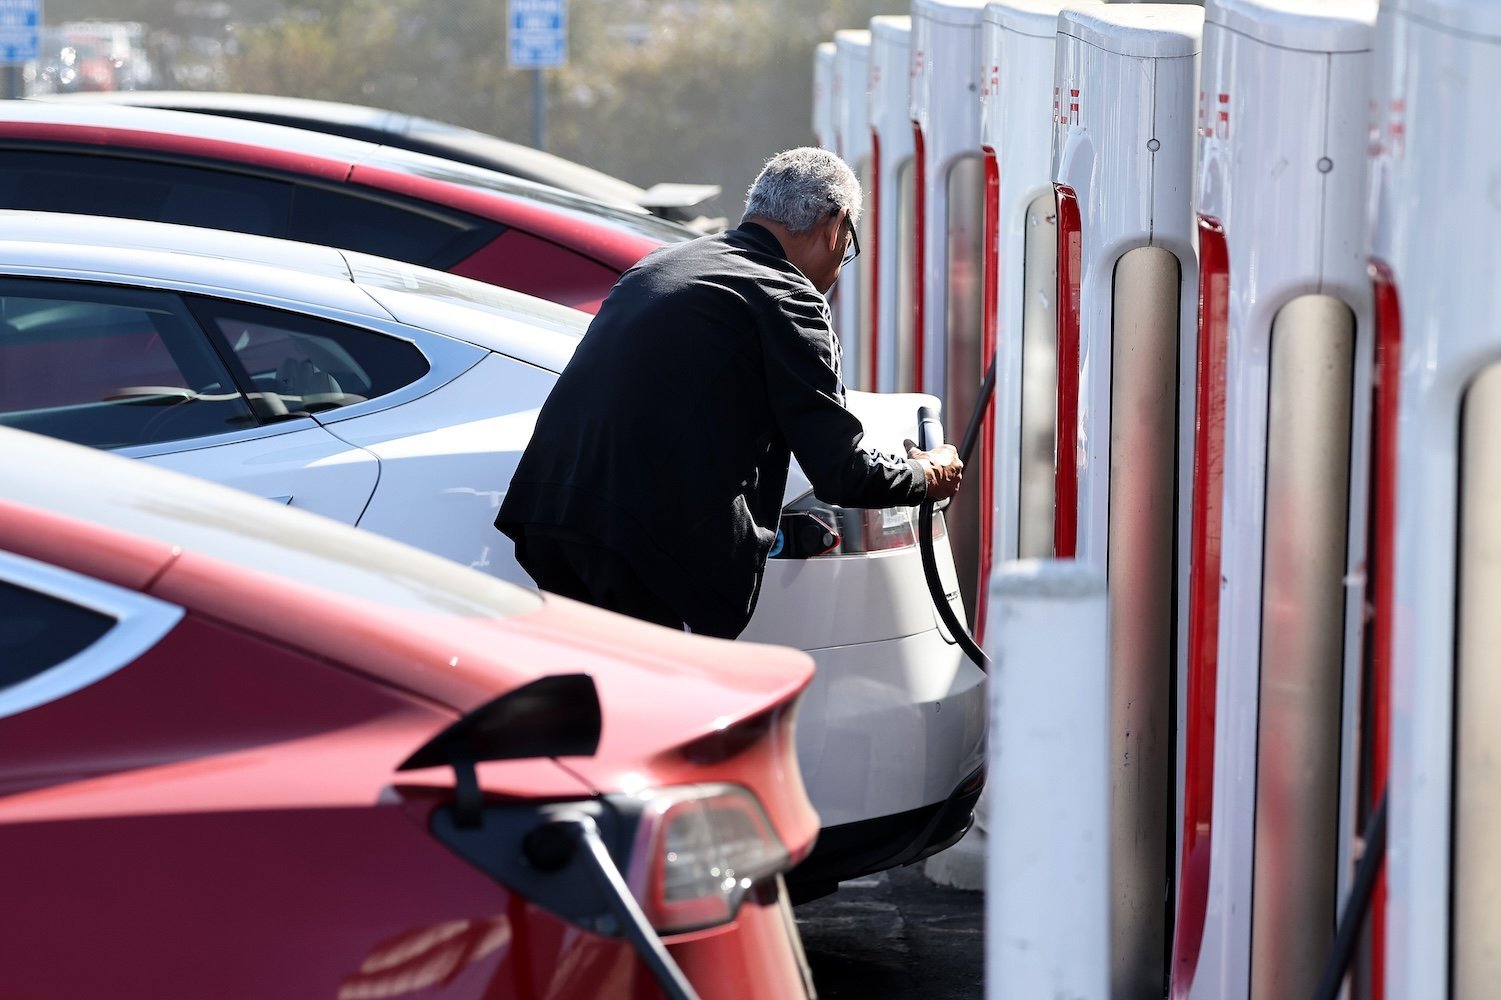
(667, 195)
(557, 716)
(674, 201)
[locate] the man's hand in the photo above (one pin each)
(942, 468)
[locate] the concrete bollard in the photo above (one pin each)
(1047, 881)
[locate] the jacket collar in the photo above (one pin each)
(760, 237)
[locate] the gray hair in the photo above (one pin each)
(801, 187)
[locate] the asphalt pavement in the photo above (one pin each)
(896, 936)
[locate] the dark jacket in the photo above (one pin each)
(668, 435)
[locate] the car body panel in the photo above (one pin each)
(455, 473)
(873, 596)
(171, 901)
(52, 258)
(308, 468)
(234, 824)
(902, 723)
(543, 268)
(104, 131)
(52, 230)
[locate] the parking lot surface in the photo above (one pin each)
(896, 935)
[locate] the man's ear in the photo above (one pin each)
(834, 230)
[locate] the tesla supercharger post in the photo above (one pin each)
(823, 95)
(1126, 79)
(892, 201)
(1435, 566)
(1276, 608)
(852, 143)
(1020, 277)
(945, 113)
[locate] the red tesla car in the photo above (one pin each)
(249, 752)
(272, 180)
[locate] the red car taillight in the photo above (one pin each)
(699, 849)
(811, 528)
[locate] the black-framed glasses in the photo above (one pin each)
(853, 249)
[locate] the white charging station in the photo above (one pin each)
(852, 143)
(823, 95)
(1125, 79)
(892, 203)
(1278, 544)
(945, 113)
(1436, 573)
(1018, 42)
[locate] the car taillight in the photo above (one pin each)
(811, 528)
(699, 849)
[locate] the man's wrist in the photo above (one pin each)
(925, 476)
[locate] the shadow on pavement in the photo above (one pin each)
(896, 935)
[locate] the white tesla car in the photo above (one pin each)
(398, 399)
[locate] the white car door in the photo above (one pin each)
(304, 467)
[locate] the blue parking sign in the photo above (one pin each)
(20, 30)
(538, 32)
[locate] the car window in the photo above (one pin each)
(213, 197)
(61, 631)
(307, 364)
(38, 632)
(110, 367)
(142, 189)
(411, 232)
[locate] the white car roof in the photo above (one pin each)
(134, 251)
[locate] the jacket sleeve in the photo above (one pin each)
(805, 386)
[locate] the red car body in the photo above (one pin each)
(272, 180)
(221, 812)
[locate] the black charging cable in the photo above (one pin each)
(1353, 919)
(930, 436)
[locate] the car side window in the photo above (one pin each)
(110, 367)
(39, 631)
(62, 631)
(122, 187)
(308, 364)
(418, 234)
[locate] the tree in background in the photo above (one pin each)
(678, 90)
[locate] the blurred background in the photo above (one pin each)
(694, 91)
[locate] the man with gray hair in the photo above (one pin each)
(653, 481)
